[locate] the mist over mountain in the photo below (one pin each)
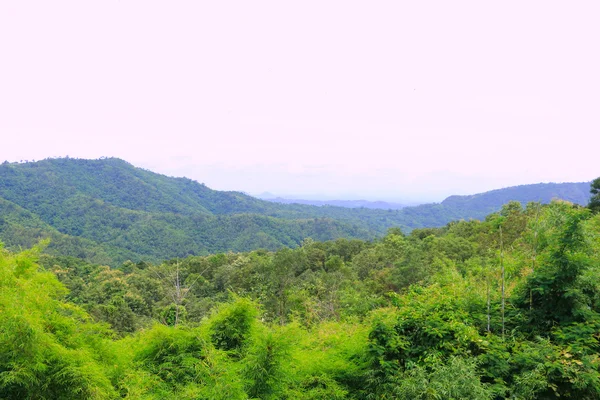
(380, 205)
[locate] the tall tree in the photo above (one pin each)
(594, 204)
(554, 292)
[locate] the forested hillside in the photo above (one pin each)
(504, 308)
(488, 202)
(108, 211)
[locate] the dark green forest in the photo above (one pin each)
(507, 307)
(107, 212)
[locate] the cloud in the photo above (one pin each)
(334, 98)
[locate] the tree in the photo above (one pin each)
(557, 292)
(231, 326)
(49, 349)
(265, 366)
(455, 379)
(172, 278)
(594, 204)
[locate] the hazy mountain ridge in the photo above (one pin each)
(108, 210)
(577, 192)
(379, 205)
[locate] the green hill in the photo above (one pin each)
(110, 207)
(109, 211)
(485, 203)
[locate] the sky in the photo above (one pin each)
(380, 100)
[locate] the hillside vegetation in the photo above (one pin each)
(504, 308)
(107, 211)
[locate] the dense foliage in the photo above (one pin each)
(594, 204)
(505, 308)
(107, 211)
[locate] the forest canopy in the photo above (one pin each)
(507, 307)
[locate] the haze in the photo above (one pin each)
(334, 99)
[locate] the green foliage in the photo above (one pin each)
(49, 349)
(176, 363)
(231, 326)
(427, 327)
(594, 203)
(172, 354)
(328, 361)
(456, 379)
(265, 365)
(172, 314)
(554, 292)
(405, 316)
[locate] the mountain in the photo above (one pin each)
(485, 203)
(108, 211)
(379, 205)
(110, 207)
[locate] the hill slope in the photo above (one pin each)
(108, 211)
(109, 206)
(485, 203)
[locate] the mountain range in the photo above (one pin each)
(378, 205)
(108, 211)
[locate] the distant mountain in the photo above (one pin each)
(485, 203)
(378, 205)
(108, 211)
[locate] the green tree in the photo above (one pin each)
(265, 365)
(594, 204)
(178, 363)
(555, 292)
(456, 379)
(231, 326)
(49, 349)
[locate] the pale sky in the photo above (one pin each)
(337, 99)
